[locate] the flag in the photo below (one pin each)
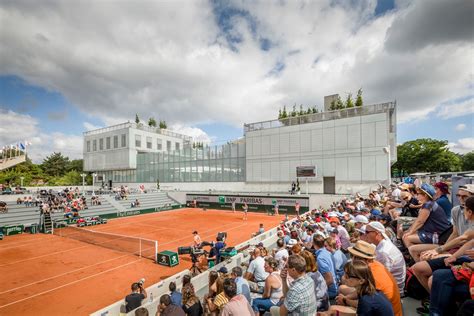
(22, 147)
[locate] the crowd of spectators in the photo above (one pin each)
(359, 257)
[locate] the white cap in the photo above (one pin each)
(361, 219)
(292, 242)
(361, 230)
(332, 214)
(467, 187)
(377, 226)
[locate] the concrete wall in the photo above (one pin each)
(349, 149)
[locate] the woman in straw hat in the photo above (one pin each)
(431, 219)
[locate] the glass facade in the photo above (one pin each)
(224, 163)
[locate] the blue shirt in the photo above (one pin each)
(326, 264)
(371, 305)
(437, 221)
(443, 201)
(176, 298)
(340, 261)
(243, 288)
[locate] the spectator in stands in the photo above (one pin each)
(215, 305)
(358, 275)
(441, 197)
(242, 284)
(342, 233)
(299, 296)
(175, 295)
(385, 220)
(166, 308)
(339, 258)
(431, 219)
(211, 294)
(281, 254)
(256, 274)
(387, 253)
(134, 299)
(273, 290)
(142, 311)
(191, 304)
(384, 280)
(325, 265)
(320, 287)
(260, 231)
(237, 303)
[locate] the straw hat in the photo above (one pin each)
(363, 249)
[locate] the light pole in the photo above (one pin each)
(83, 175)
(93, 182)
(21, 180)
(387, 151)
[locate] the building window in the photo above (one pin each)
(101, 144)
(138, 141)
(159, 144)
(94, 145)
(88, 146)
(124, 140)
(116, 141)
(168, 145)
(176, 146)
(107, 143)
(148, 142)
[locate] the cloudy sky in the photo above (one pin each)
(208, 67)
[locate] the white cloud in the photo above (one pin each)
(462, 146)
(170, 60)
(15, 127)
(90, 127)
(453, 109)
(197, 134)
(460, 127)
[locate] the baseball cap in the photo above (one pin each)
(384, 217)
(361, 219)
(223, 270)
(376, 226)
(361, 230)
(375, 212)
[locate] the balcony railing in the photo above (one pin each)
(323, 116)
(142, 127)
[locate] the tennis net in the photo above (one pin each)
(141, 247)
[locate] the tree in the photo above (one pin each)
(468, 161)
(76, 165)
(152, 122)
(333, 107)
(349, 102)
(301, 112)
(284, 114)
(137, 119)
(279, 114)
(314, 109)
(55, 165)
(293, 112)
(426, 155)
(359, 101)
(163, 125)
(339, 103)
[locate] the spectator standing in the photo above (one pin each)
(237, 303)
(134, 299)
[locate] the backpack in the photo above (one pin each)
(413, 287)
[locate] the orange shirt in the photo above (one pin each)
(385, 283)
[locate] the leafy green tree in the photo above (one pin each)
(284, 114)
(55, 165)
(293, 112)
(152, 122)
(70, 178)
(349, 102)
(314, 109)
(333, 107)
(279, 114)
(137, 119)
(163, 125)
(359, 101)
(301, 112)
(468, 161)
(76, 165)
(339, 103)
(426, 155)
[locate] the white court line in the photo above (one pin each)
(67, 284)
(68, 272)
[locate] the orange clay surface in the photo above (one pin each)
(51, 275)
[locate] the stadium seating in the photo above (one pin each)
(148, 200)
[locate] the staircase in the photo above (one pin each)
(11, 162)
(48, 224)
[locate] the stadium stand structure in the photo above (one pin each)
(11, 162)
(21, 215)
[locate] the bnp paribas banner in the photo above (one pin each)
(254, 202)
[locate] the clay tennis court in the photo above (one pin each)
(52, 275)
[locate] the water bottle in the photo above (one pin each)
(435, 238)
(151, 297)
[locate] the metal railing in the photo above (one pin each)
(139, 126)
(320, 117)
